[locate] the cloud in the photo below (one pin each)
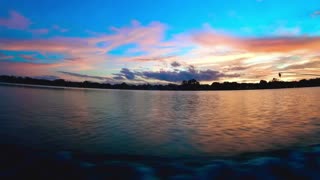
(172, 76)
(15, 21)
(46, 77)
(60, 29)
(148, 39)
(158, 58)
(272, 44)
(283, 44)
(72, 59)
(175, 64)
(217, 55)
(113, 80)
(125, 73)
(27, 68)
(62, 45)
(119, 77)
(28, 57)
(39, 68)
(237, 68)
(143, 35)
(76, 54)
(212, 38)
(310, 64)
(178, 76)
(84, 75)
(41, 31)
(283, 31)
(5, 57)
(316, 13)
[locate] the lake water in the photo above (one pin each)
(160, 123)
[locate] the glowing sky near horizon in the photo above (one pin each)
(160, 41)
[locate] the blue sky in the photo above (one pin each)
(181, 16)
(125, 34)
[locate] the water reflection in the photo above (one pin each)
(160, 123)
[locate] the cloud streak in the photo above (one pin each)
(60, 29)
(5, 57)
(41, 31)
(84, 75)
(28, 57)
(271, 44)
(15, 21)
(46, 77)
(316, 13)
(310, 64)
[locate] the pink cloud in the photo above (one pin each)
(62, 45)
(85, 52)
(143, 36)
(15, 21)
(83, 55)
(211, 38)
(30, 69)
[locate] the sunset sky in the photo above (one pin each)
(160, 41)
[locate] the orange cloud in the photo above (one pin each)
(273, 44)
(282, 44)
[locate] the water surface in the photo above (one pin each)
(160, 123)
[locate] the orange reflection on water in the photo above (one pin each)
(162, 123)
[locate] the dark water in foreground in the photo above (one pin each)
(160, 123)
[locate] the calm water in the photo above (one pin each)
(160, 123)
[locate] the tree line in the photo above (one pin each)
(192, 84)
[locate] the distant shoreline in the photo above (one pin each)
(100, 89)
(190, 85)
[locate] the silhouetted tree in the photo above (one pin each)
(263, 82)
(193, 82)
(184, 83)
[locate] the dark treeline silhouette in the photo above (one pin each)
(185, 85)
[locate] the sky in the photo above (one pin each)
(160, 41)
